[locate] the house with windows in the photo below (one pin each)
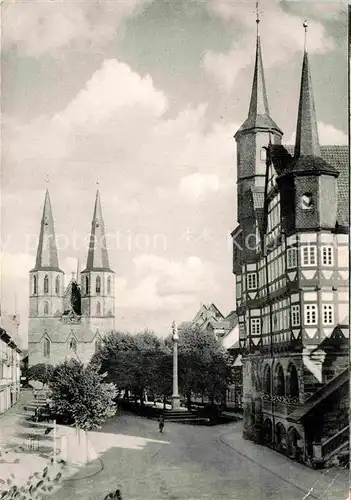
(10, 358)
(290, 259)
(69, 322)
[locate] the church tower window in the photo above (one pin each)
(46, 347)
(46, 308)
(98, 285)
(73, 345)
(46, 284)
(34, 285)
(98, 309)
(87, 285)
(263, 154)
(57, 286)
(109, 285)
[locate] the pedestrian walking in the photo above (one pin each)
(161, 423)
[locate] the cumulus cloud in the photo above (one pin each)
(327, 134)
(197, 185)
(165, 284)
(288, 39)
(37, 27)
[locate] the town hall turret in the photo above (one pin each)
(66, 322)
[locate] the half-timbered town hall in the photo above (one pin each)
(291, 265)
(66, 322)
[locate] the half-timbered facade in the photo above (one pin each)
(290, 258)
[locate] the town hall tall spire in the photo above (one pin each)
(307, 141)
(47, 258)
(258, 115)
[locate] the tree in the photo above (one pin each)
(136, 363)
(79, 395)
(41, 372)
(204, 365)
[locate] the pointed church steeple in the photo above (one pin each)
(97, 253)
(307, 141)
(258, 115)
(47, 258)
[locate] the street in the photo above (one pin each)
(194, 462)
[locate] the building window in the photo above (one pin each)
(327, 255)
(57, 285)
(251, 281)
(97, 345)
(255, 326)
(309, 255)
(73, 345)
(310, 314)
(46, 347)
(291, 257)
(98, 309)
(328, 314)
(46, 284)
(46, 307)
(238, 290)
(98, 285)
(295, 315)
(306, 201)
(109, 285)
(87, 285)
(34, 285)
(263, 154)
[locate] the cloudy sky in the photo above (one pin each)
(143, 97)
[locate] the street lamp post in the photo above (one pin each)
(175, 395)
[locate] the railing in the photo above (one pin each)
(335, 441)
(282, 405)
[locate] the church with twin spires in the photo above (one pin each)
(69, 322)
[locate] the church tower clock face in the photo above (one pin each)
(306, 201)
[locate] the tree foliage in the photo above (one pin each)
(41, 372)
(135, 363)
(80, 395)
(144, 362)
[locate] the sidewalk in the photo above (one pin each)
(327, 484)
(26, 450)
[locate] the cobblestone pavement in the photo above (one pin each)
(192, 463)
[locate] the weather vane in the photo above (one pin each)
(305, 25)
(257, 15)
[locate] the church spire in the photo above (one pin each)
(47, 258)
(307, 142)
(97, 253)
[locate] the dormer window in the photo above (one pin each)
(307, 201)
